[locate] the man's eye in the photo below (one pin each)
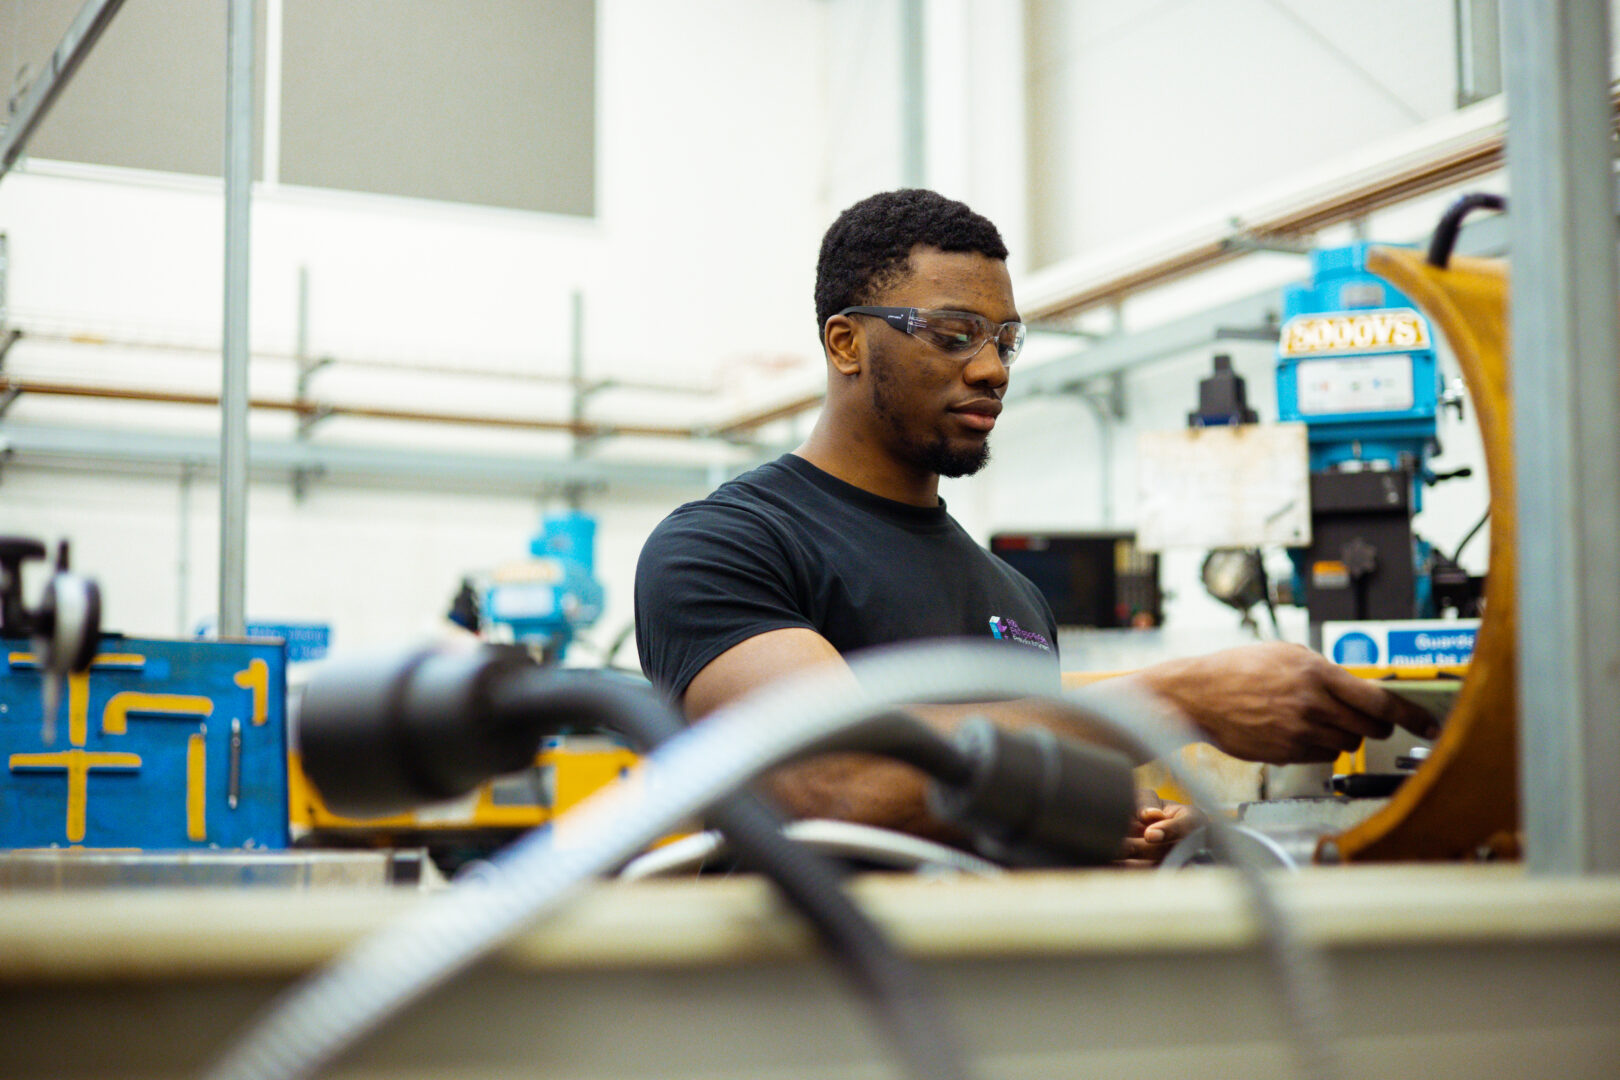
(953, 331)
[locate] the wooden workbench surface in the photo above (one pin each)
(661, 923)
(1442, 971)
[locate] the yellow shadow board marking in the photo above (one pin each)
(77, 764)
(115, 717)
(197, 786)
(256, 677)
(102, 660)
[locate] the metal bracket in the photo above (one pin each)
(1105, 393)
(310, 416)
(1270, 330)
(302, 477)
(307, 370)
(1244, 239)
(584, 391)
(1111, 395)
(584, 441)
(570, 492)
(9, 398)
(730, 438)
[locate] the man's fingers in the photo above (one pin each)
(1178, 822)
(1339, 740)
(1373, 701)
(1308, 754)
(1141, 849)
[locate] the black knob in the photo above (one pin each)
(14, 551)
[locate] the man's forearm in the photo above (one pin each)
(874, 790)
(862, 788)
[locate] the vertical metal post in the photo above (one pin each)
(575, 492)
(183, 556)
(1566, 394)
(301, 342)
(913, 96)
(1479, 50)
(234, 391)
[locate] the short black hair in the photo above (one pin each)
(866, 249)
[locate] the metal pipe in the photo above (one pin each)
(1566, 395)
(576, 398)
(95, 337)
(114, 452)
(913, 96)
(1105, 457)
(313, 409)
(234, 392)
(183, 553)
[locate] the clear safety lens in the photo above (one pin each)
(962, 334)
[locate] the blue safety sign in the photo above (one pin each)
(1402, 643)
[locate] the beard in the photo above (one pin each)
(935, 455)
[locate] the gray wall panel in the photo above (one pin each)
(481, 101)
(151, 94)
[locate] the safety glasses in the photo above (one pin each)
(957, 334)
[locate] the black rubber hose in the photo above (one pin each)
(911, 1018)
(1478, 525)
(1445, 233)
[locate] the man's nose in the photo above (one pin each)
(985, 367)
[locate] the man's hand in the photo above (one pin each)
(1282, 703)
(1157, 828)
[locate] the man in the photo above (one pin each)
(845, 543)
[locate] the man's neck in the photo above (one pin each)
(869, 466)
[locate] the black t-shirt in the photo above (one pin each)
(787, 545)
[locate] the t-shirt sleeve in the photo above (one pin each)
(709, 577)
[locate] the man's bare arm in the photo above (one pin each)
(1280, 703)
(1269, 702)
(847, 787)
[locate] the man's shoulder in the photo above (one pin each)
(756, 502)
(763, 491)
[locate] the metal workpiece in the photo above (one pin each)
(70, 869)
(1566, 400)
(233, 781)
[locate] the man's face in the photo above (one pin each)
(935, 412)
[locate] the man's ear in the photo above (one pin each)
(846, 349)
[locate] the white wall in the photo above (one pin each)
(1146, 114)
(1152, 121)
(698, 270)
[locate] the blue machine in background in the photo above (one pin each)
(545, 600)
(160, 745)
(1356, 363)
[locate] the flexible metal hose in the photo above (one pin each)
(1300, 973)
(319, 1018)
(907, 1011)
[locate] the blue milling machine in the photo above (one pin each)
(543, 601)
(1356, 364)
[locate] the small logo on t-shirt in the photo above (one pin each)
(1008, 630)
